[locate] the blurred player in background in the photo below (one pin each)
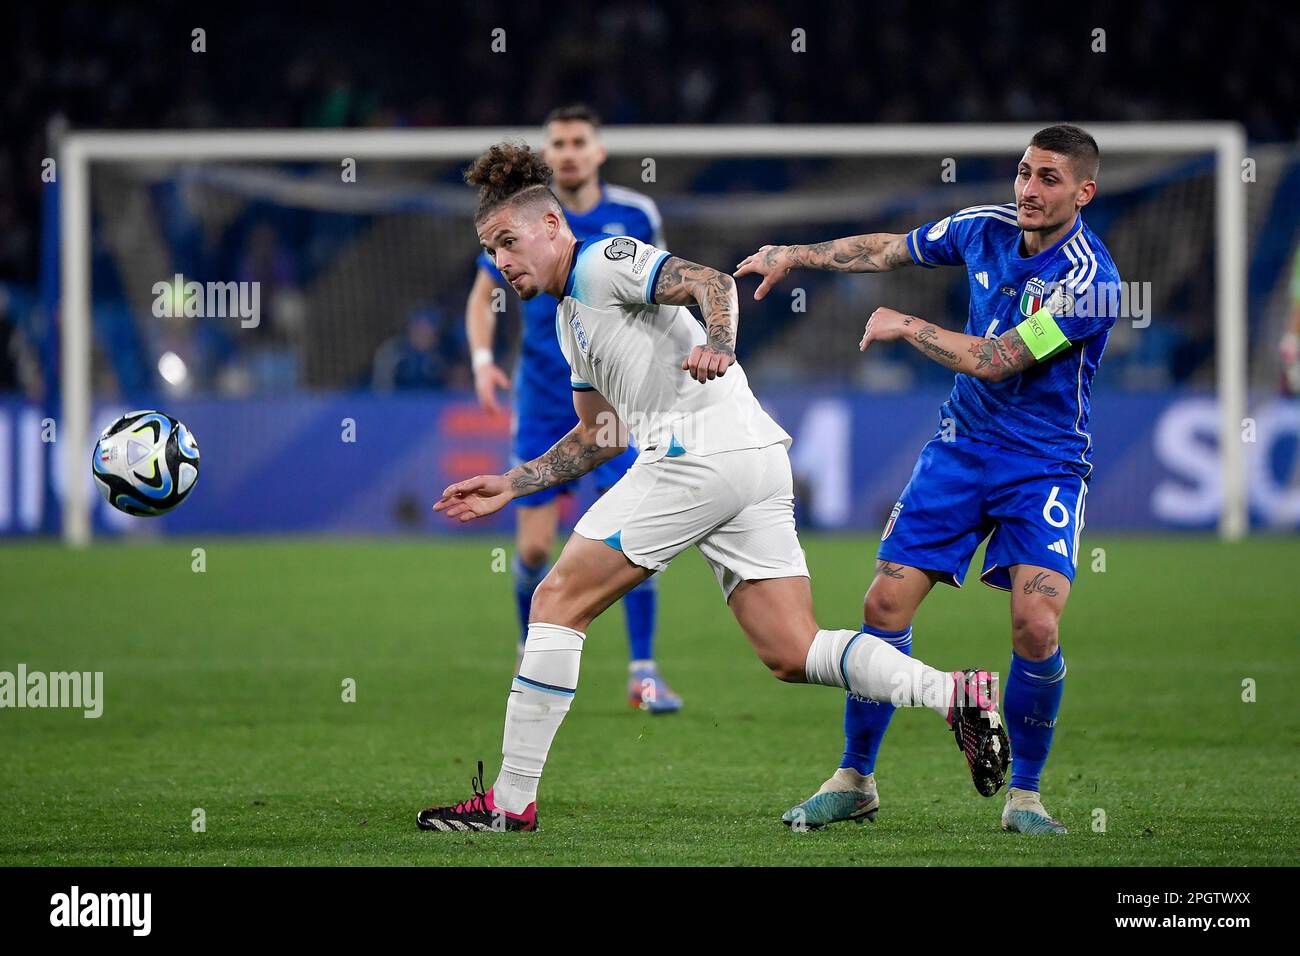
(713, 472)
(1291, 338)
(1010, 461)
(543, 406)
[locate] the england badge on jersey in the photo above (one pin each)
(579, 333)
(1031, 300)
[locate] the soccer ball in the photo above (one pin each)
(146, 463)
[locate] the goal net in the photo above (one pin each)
(275, 287)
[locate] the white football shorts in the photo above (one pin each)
(737, 507)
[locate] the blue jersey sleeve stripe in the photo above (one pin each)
(913, 246)
(654, 277)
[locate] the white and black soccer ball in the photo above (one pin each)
(146, 463)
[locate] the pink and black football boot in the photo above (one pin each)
(975, 722)
(478, 813)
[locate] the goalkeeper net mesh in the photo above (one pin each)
(348, 273)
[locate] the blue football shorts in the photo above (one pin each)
(961, 492)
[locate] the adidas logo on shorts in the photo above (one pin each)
(1060, 547)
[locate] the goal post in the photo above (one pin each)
(78, 151)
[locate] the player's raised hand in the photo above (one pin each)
(475, 497)
(487, 379)
(707, 362)
(773, 263)
(885, 325)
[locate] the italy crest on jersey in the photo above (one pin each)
(1031, 300)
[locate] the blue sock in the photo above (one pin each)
(526, 580)
(865, 721)
(1030, 703)
(639, 608)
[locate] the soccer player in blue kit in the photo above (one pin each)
(1010, 460)
(543, 402)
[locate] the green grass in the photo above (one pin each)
(223, 691)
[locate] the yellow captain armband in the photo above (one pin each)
(1043, 336)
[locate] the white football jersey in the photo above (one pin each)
(619, 342)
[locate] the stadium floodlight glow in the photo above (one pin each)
(78, 150)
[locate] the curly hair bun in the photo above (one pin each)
(504, 171)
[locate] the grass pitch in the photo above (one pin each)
(223, 691)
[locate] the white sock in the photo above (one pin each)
(874, 669)
(539, 698)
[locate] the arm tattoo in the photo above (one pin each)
(890, 570)
(926, 341)
(1038, 583)
(682, 283)
(991, 359)
(1004, 356)
(877, 252)
(571, 457)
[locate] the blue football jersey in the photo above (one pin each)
(1044, 410)
(541, 378)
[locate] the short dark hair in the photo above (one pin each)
(1074, 143)
(573, 111)
(510, 172)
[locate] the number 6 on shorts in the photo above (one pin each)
(1052, 506)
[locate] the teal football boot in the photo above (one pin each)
(1024, 813)
(847, 795)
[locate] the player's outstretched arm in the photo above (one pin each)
(596, 438)
(689, 283)
(992, 359)
(480, 328)
(875, 252)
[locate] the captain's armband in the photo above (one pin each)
(1042, 335)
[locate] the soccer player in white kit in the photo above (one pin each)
(713, 472)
